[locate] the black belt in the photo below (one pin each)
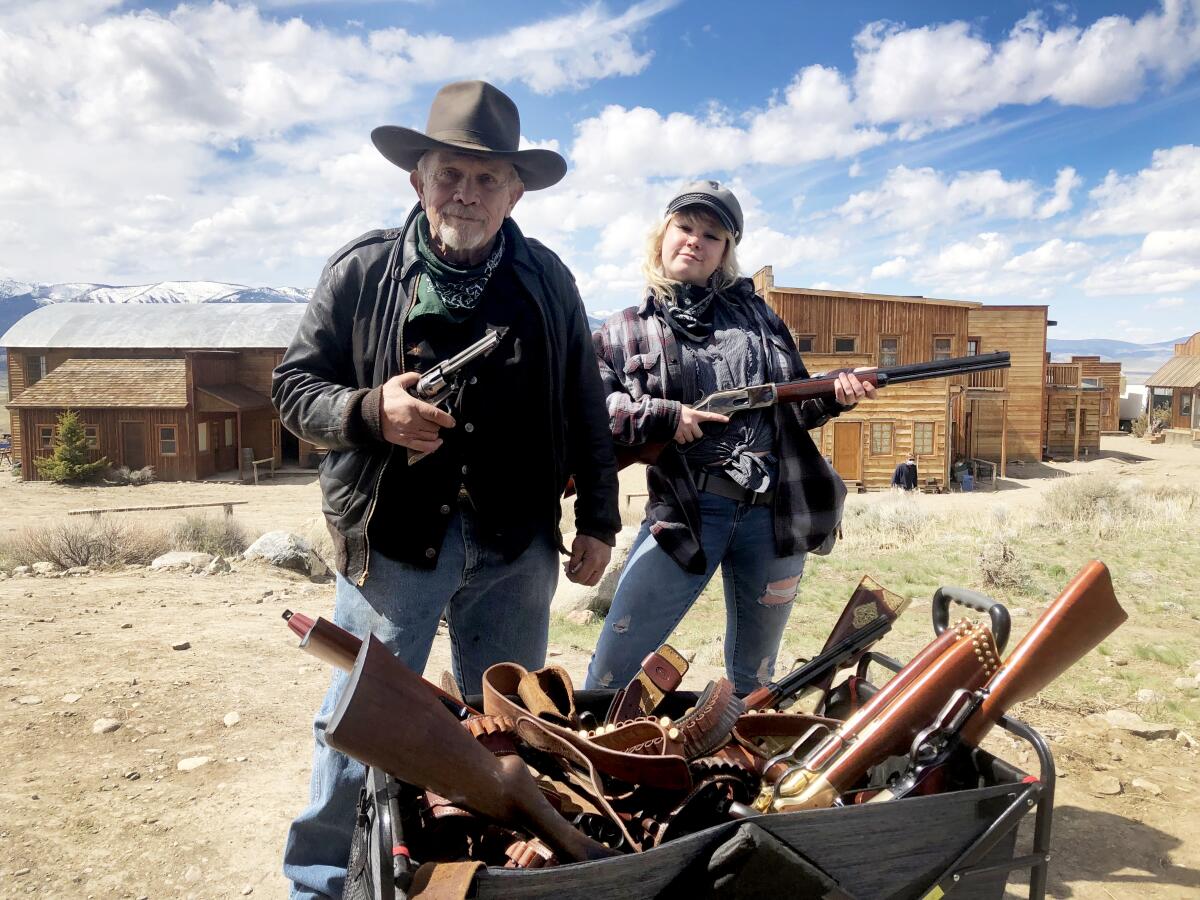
(717, 482)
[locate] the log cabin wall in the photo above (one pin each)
(1021, 330)
(16, 384)
(1108, 375)
(127, 437)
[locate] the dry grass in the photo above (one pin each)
(214, 535)
(1111, 508)
(99, 542)
(897, 522)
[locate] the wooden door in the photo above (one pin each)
(847, 450)
(133, 444)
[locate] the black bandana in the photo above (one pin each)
(458, 289)
(688, 309)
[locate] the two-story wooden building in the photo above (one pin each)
(995, 416)
(183, 388)
(1107, 377)
(1176, 388)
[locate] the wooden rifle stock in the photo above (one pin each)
(384, 718)
(1084, 614)
(339, 648)
(961, 657)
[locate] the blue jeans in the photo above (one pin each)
(497, 611)
(654, 593)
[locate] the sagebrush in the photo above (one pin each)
(214, 535)
(126, 475)
(95, 541)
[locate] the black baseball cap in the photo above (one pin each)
(719, 200)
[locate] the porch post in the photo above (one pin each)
(1004, 438)
(1078, 408)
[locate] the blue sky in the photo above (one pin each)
(1032, 153)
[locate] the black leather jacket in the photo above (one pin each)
(327, 387)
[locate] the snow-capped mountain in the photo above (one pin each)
(19, 298)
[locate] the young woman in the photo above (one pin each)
(749, 493)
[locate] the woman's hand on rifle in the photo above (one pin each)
(848, 390)
(690, 421)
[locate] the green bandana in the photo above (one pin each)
(446, 290)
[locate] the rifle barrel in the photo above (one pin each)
(945, 368)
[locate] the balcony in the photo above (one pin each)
(1063, 375)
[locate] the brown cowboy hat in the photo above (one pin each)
(472, 117)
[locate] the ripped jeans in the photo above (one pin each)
(654, 593)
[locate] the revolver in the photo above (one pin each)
(442, 385)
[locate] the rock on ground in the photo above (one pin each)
(288, 551)
(180, 559)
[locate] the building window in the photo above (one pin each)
(46, 437)
(973, 346)
(923, 438)
(202, 437)
(167, 445)
(804, 342)
(229, 432)
(91, 433)
(881, 438)
(889, 351)
(35, 369)
(1185, 404)
(941, 347)
(1161, 398)
(844, 344)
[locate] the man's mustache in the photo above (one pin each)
(460, 212)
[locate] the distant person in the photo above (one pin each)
(749, 493)
(905, 476)
(472, 529)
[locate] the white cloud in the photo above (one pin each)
(1182, 245)
(1066, 181)
(940, 76)
(890, 269)
(1053, 257)
(1167, 303)
(1165, 195)
(910, 198)
(1165, 263)
(247, 132)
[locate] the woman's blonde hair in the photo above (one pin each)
(659, 283)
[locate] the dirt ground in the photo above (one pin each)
(111, 814)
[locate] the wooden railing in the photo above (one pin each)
(1062, 375)
(994, 379)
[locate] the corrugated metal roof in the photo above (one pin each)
(1179, 372)
(107, 383)
(201, 326)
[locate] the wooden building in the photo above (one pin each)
(1176, 387)
(991, 416)
(182, 388)
(1074, 407)
(1107, 377)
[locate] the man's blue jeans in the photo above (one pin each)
(497, 611)
(654, 593)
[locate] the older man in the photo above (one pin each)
(471, 530)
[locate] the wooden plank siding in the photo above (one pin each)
(16, 384)
(1060, 422)
(1190, 347)
(181, 465)
(1021, 330)
(1108, 374)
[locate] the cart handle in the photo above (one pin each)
(996, 611)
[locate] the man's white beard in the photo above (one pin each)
(462, 237)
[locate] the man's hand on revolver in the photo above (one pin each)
(410, 422)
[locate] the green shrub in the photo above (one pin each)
(214, 535)
(99, 542)
(69, 462)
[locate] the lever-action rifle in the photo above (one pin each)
(819, 388)
(868, 616)
(1083, 615)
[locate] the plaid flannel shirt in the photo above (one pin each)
(640, 368)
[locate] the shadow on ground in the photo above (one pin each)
(1126, 855)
